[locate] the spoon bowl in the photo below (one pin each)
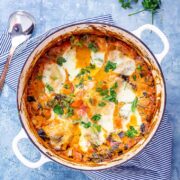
(21, 26)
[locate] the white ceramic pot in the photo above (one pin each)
(131, 38)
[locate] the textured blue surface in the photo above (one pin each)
(53, 13)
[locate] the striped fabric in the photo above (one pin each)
(153, 163)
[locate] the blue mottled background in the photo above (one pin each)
(51, 13)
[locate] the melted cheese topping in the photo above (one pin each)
(54, 76)
(70, 64)
(125, 65)
(129, 118)
(97, 58)
(125, 93)
(106, 120)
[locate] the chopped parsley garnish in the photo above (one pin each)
(134, 104)
(134, 77)
(89, 77)
(115, 85)
(139, 68)
(96, 117)
(58, 110)
(79, 43)
(97, 127)
(72, 39)
(39, 77)
(109, 95)
(61, 60)
(62, 105)
(91, 66)
(80, 85)
(86, 70)
(102, 104)
(66, 86)
(86, 125)
(102, 92)
(92, 46)
(70, 112)
(82, 72)
(110, 66)
(131, 132)
(100, 83)
(112, 96)
(49, 88)
(75, 42)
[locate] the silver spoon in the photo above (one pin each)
(21, 26)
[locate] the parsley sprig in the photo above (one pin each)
(149, 5)
(131, 132)
(61, 60)
(110, 66)
(134, 104)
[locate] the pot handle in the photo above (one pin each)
(22, 135)
(162, 36)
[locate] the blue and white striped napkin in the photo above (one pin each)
(153, 163)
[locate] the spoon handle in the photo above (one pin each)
(6, 67)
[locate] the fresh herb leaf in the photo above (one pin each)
(76, 121)
(80, 85)
(49, 88)
(72, 39)
(102, 104)
(58, 110)
(139, 68)
(61, 60)
(115, 85)
(89, 77)
(96, 117)
(134, 104)
(100, 83)
(91, 66)
(93, 47)
(82, 72)
(86, 125)
(66, 86)
(79, 43)
(134, 77)
(131, 132)
(102, 92)
(127, 3)
(97, 127)
(75, 42)
(70, 112)
(110, 66)
(112, 97)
